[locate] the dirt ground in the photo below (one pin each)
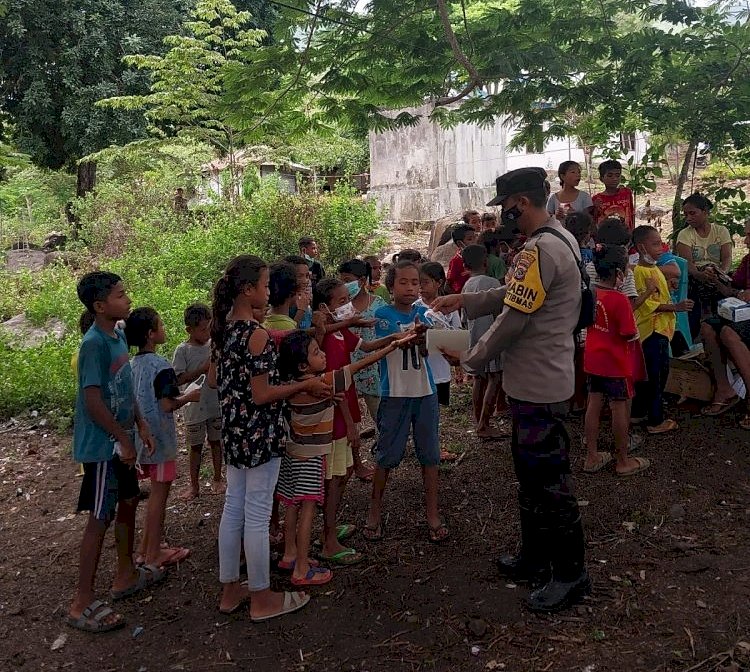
(668, 552)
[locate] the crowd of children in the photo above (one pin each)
(271, 376)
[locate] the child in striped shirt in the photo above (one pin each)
(301, 479)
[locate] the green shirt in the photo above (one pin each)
(496, 268)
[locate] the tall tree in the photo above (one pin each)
(188, 84)
(58, 58)
(544, 64)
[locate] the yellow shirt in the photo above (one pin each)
(646, 317)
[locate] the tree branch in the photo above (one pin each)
(474, 79)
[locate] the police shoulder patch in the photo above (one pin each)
(525, 291)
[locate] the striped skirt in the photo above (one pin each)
(301, 480)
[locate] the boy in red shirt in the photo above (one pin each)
(614, 201)
(608, 362)
(463, 236)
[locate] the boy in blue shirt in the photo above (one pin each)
(408, 403)
(105, 420)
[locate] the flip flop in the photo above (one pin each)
(343, 532)
(606, 458)
(292, 602)
(434, 534)
(148, 575)
(176, 556)
(720, 407)
(92, 619)
(288, 566)
(344, 558)
(373, 533)
(316, 576)
(668, 425)
(643, 464)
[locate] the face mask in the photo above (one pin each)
(308, 257)
(510, 215)
(344, 312)
(647, 258)
(353, 288)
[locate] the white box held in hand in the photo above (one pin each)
(449, 339)
(734, 310)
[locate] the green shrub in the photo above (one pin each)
(38, 378)
(32, 202)
(727, 171)
(167, 261)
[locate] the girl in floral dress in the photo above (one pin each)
(244, 369)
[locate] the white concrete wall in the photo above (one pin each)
(419, 174)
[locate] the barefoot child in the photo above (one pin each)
(607, 361)
(244, 367)
(202, 419)
(656, 325)
(158, 396)
(408, 404)
(329, 296)
(105, 419)
(301, 479)
(488, 386)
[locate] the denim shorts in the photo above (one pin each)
(397, 417)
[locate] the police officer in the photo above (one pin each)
(533, 332)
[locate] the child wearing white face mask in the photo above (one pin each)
(357, 275)
(329, 296)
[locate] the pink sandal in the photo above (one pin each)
(316, 576)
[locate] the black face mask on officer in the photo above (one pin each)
(510, 216)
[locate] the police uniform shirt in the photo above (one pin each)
(540, 306)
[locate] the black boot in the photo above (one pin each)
(558, 595)
(531, 565)
(570, 581)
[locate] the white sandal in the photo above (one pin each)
(292, 602)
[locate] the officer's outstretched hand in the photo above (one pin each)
(447, 304)
(453, 357)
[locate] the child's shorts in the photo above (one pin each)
(105, 484)
(166, 472)
(614, 389)
(397, 417)
(196, 434)
(301, 480)
(340, 459)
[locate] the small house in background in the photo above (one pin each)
(218, 175)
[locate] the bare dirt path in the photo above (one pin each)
(668, 551)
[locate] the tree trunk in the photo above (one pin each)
(681, 180)
(86, 178)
